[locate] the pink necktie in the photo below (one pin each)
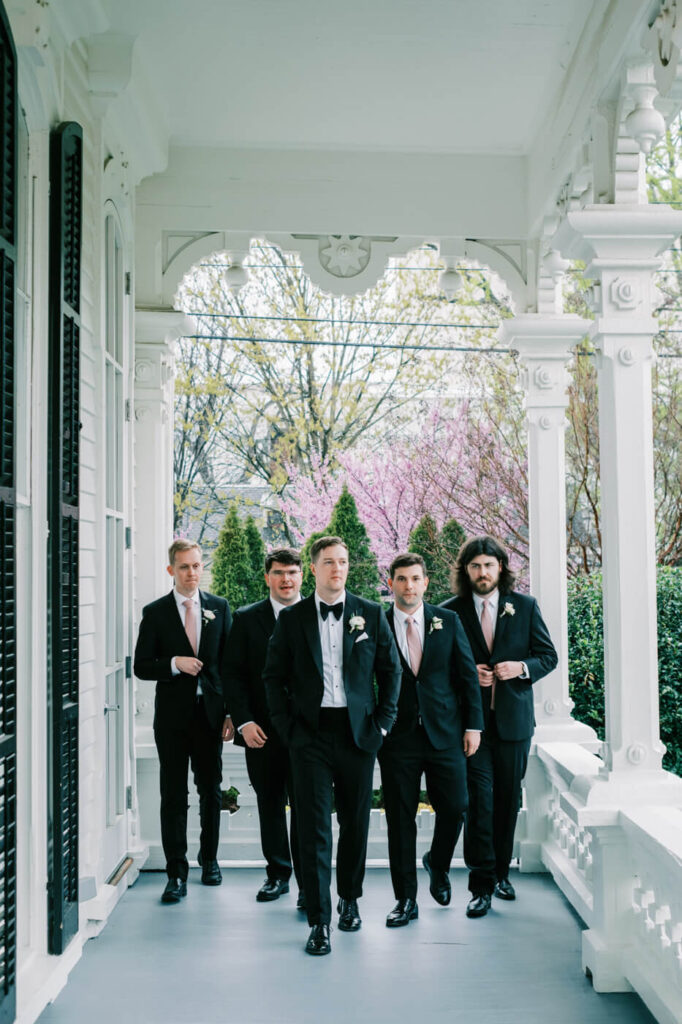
(414, 646)
(487, 625)
(190, 624)
(487, 630)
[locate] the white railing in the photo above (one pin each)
(614, 848)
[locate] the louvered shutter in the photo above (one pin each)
(66, 163)
(8, 666)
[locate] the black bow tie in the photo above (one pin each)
(335, 609)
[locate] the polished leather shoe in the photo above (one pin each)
(300, 903)
(272, 889)
(349, 915)
(439, 886)
(504, 890)
(478, 906)
(403, 912)
(210, 873)
(174, 891)
(318, 943)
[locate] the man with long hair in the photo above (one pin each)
(512, 649)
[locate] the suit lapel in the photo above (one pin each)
(391, 621)
(206, 624)
(312, 632)
(429, 639)
(266, 617)
(502, 622)
(468, 612)
(349, 609)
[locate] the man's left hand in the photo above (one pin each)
(472, 742)
(508, 669)
(228, 730)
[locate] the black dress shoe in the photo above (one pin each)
(504, 890)
(300, 902)
(318, 943)
(403, 912)
(174, 891)
(439, 886)
(478, 906)
(272, 889)
(210, 873)
(349, 916)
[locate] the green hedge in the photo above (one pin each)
(586, 656)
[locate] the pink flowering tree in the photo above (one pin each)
(453, 468)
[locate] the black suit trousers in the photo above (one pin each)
(331, 765)
(494, 776)
(403, 759)
(192, 742)
(270, 775)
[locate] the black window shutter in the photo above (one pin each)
(8, 666)
(66, 170)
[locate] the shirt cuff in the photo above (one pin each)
(175, 671)
(384, 732)
(525, 673)
(473, 730)
(244, 725)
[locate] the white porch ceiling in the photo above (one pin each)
(436, 76)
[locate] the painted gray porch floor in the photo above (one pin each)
(221, 957)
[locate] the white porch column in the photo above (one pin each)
(622, 246)
(155, 333)
(544, 343)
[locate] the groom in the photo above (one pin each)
(321, 663)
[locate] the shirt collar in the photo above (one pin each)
(493, 599)
(180, 598)
(277, 606)
(402, 617)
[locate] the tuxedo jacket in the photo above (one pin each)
(445, 694)
(520, 635)
(243, 665)
(162, 637)
(293, 673)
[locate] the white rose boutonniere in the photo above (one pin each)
(508, 609)
(356, 624)
(207, 615)
(436, 623)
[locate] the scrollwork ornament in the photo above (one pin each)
(624, 293)
(636, 753)
(663, 42)
(551, 706)
(627, 357)
(542, 378)
(144, 371)
(345, 255)
(545, 422)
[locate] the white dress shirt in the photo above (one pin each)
(195, 610)
(400, 618)
(331, 640)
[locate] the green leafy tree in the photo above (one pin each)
(254, 542)
(439, 550)
(231, 568)
(308, 584)
(363, 577)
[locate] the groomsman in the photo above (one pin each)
(438, 726)
(321, 663)
(513, 649)
(180, 644)
(267, 759)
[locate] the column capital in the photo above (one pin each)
(618, 234)
(161, 326)
(542, 335)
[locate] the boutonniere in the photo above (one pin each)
(508, 609)
(436, 623)
(356, 624)
(207, 615)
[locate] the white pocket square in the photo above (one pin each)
(363, 636)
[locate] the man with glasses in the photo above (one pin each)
(267, 759)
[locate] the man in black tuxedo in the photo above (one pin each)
(438, 726)
(322, 659)
(513, 649)
(180, 644)
(267, 759)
